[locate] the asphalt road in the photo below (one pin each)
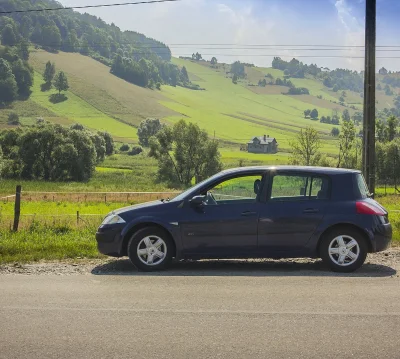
(195, 313)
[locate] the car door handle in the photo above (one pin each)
(249, 214)
(311, 210)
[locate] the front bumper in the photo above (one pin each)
(382, 237)
(109, 240)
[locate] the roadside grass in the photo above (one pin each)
(41, 242)
(48, 237)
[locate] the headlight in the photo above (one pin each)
(112, 219)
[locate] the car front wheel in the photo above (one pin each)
(344, 250)
(150, 249)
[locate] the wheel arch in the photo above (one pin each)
(137, 227)
(348, 226)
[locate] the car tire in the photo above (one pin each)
(344, 250)
(150, 249)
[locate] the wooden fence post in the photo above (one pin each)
(77, 218)
(17, 207)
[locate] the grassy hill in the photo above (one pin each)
(232, 113)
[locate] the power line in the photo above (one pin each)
(249, 47)
(87, 6)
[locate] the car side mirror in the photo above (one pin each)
(197, 201)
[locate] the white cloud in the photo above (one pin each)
(245, 22)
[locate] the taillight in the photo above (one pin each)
(369, 208)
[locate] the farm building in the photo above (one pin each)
(262, 144)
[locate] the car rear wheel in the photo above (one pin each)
(150, 249)
(344, 250)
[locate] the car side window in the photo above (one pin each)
(299, 187)
(236, 190)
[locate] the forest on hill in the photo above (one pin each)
(132, 56)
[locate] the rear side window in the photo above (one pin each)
(362, 186)
(298, 187)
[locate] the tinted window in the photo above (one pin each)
(241, 189)
(362, 186)
(292, 187)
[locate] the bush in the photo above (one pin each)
(135, 151)
(124, 148)
(13, 119)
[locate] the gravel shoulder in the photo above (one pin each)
(384, 264)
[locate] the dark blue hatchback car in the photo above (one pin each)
(255, 212)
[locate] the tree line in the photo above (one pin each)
(295, 68)
(307, 144)
(16, 75)
(52, 152)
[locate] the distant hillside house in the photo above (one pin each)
(262, 144)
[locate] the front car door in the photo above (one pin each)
(226, 225)
(294, 208)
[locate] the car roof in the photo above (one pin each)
(297, 169)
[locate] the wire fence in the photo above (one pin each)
(106, 197)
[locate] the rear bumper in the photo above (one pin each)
(109, 240)
(382, 237)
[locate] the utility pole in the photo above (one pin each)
(369, 96)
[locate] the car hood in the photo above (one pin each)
(147, 205)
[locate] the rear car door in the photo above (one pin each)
(295, 207)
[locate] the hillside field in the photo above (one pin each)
(232, 113)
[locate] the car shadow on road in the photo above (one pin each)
(253, 268)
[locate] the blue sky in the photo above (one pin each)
(262, 22)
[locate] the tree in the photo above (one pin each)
(343, 94)
(49, 72)
(314, 114)
(238, 69)
(346, 115)
(357, 117)
(305, 149)
(381, 130)
(214, 61)
(335, 132)
(8, 84)
(136, 150)
(51, 37)
(341, 99)
(184, 75)
(335, 88)
(397, 102)
(392, 124)
(23, 49)
(23, 76)
(198, 56)
(307, 113)
(61, 82)
(346, 144)
(184, 152)
(148, 128)
(235, 79)
(13, 119)
(50, 152)
(8, 37)
(124, 148)
(109, 142)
